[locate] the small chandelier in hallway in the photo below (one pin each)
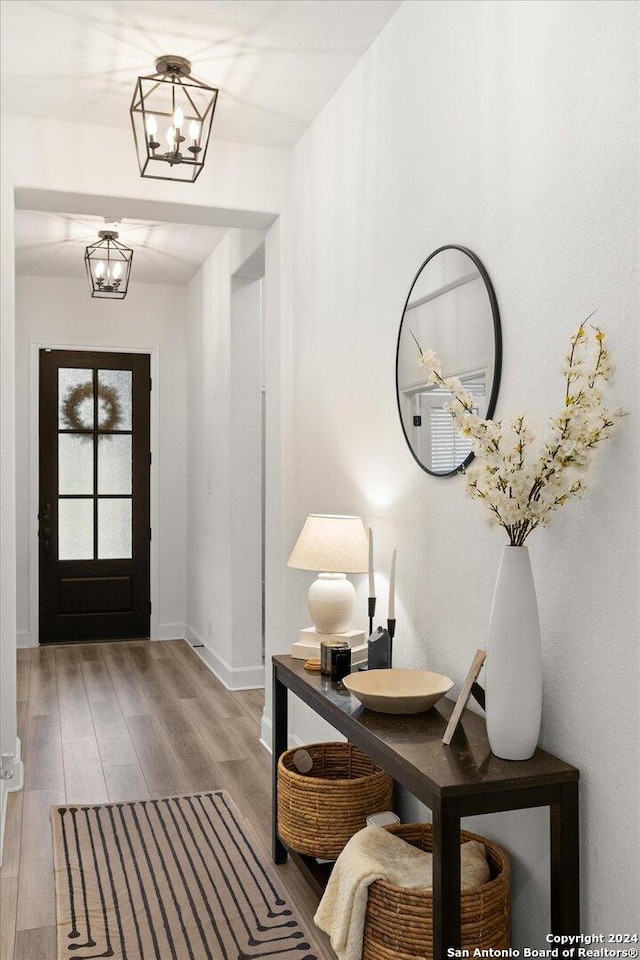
(108, 264)
(171, 115)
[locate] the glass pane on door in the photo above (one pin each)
(75, 463)
(75, 399)
(114, 399)
(114, 529)
(114, 464)
(75, 529)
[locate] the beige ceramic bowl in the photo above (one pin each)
(398, 691)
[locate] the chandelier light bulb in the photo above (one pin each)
(171, 135)
(100, 269)
(194, 130)
(178, 118)
(152, 125)
(116, 271)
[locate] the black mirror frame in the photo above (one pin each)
(497, 335)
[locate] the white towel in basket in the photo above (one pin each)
(375, 854)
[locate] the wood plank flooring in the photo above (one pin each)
(123, 721)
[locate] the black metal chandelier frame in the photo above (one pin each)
(174, 89)
(108, 264)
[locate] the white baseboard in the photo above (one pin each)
(266, 732)
(266, 735)
(9, 786)
(166, 631)
(171, 631)
(233, 678)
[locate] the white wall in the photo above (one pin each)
(9, 743)
(223, 571)
(239, 180)
(60, 312)
(209, 440)
(510, 128)
(246, 470)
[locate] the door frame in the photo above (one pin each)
(32, 639)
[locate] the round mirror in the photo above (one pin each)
(451, 309)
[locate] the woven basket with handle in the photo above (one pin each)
(399, 920)
(320, 811)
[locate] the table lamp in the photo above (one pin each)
(334, 546)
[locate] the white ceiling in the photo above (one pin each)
(53, 245)
(276, 62)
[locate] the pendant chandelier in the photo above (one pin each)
(108, 264)
(171, 115)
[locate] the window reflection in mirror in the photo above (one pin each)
(451, 309)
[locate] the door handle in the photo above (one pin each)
(45, 532)
(45, 536)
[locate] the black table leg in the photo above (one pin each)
(279, 745)
(565, 852)
(446, 879)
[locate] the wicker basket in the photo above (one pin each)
(399, 920)
(318, 813)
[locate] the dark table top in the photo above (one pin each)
(410, 747)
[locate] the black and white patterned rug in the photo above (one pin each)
(173, 879)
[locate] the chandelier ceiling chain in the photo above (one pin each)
(184, 106)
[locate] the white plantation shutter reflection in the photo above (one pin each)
(449, 448)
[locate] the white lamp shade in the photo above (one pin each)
(332, 544)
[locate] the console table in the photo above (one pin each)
(461, 780)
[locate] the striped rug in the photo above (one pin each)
(172, 879)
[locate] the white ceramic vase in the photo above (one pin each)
(514, 660)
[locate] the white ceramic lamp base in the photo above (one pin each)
(331, 601)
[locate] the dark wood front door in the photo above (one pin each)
(94, 495)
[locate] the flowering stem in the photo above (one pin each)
(520, 491)
(417, 343)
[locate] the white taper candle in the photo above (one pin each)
(392, 587)
(372, 579)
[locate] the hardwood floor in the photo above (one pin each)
(122, 721)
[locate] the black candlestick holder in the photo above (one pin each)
(372, 613)
(391, 627)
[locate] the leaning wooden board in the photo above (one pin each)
(465, 693)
